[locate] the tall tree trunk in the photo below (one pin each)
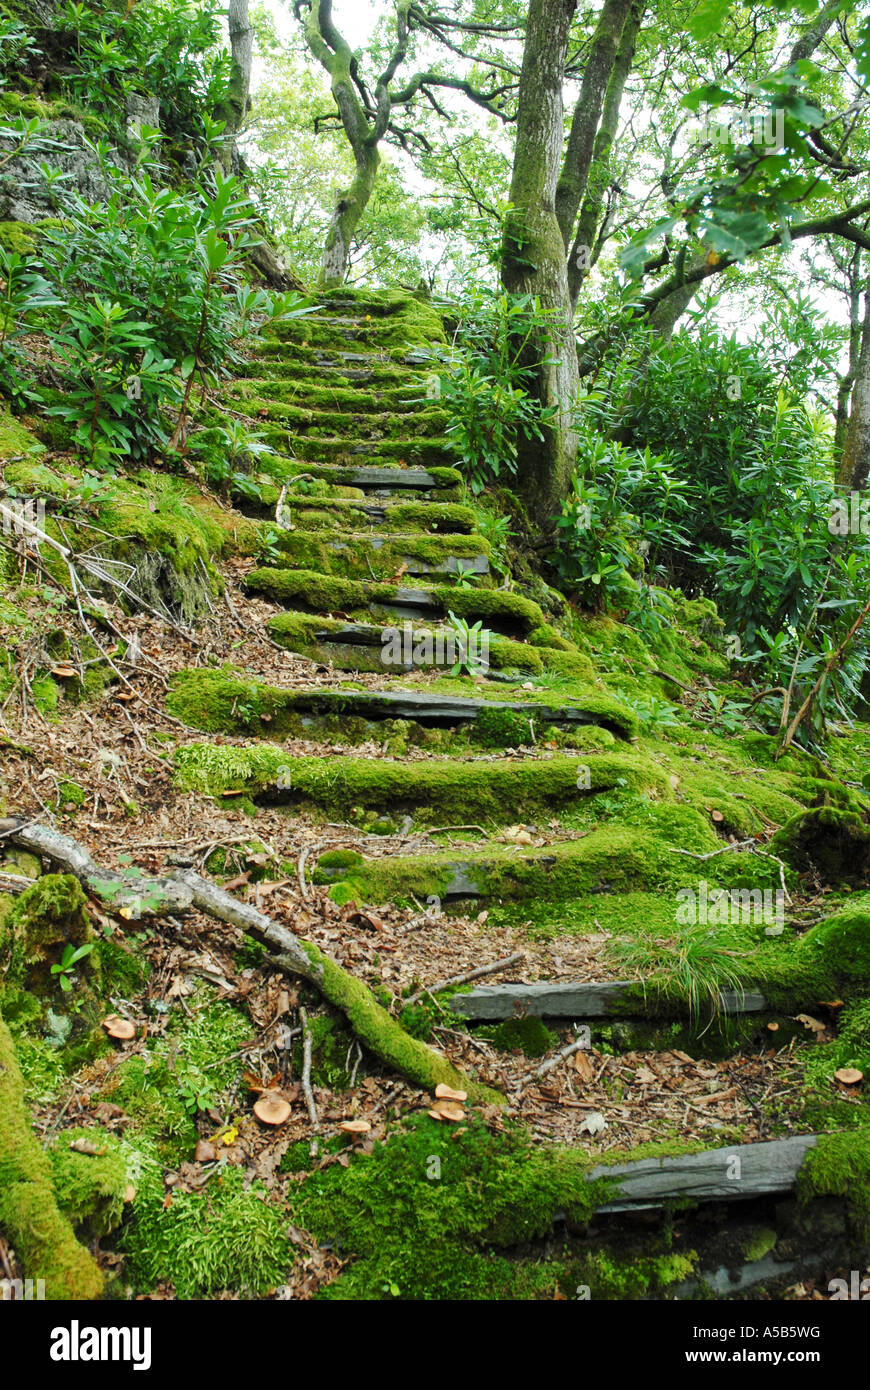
(846, 382)
(855, 463)
(587, 113)
(533, 255)
(589, 220)
(235, 107)
(348, 211)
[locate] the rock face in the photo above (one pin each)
(24, 194)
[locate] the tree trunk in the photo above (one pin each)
(346, 218)
(533, 255)
(235, 106)
(589, 221)
(855, 463)
(587, 113)
(846, 382)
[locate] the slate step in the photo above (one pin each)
(578, 1000)
(394, 650)
(365, 555)
(425, 421)
(222, 701)
(403, 399)
(308, 591)
(417, 452)
(766, 1169)
(610, 858)
(317, 513)
(380, 480)
(271, 360)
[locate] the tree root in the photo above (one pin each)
(157, 897)
(43, 1238)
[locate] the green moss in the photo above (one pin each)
(759, 1243)
(146, 1090)
(336, 863)
(528, 1035)
(89, 1186)
(362, 556)
(231, 1236)
(632, 1273)
(309, 589)
(29, 1215)
(425, 1215)
(188, 1070)
(15, 437)
(70, 794)
(497, 790)
(833, 841)
(18, 237)
(48, 917)
(839, 1166)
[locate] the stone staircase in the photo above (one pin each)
(568, 814)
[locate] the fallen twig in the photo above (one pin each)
(469, 975)
(306, 1070)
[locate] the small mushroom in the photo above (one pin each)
(447, 1110)
(271, 1109)
(773, 1027)
(120, 1028)
(443, 1092)
(849, 1076)
(356, 1128)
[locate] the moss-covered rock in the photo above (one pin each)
(834, 841)
(29, 1215)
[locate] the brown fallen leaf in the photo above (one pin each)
(584, 1067)
(89, 1147)
(205, 1152)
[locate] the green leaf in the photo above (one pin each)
(708, 17)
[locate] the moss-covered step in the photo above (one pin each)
(419, 452)
(412, 324)
(329, 513)
(383, 557)
(392, 650)
(375, 478)
(617, 858)
(497, 789)
(738, 1172)
(615, 999)
(310, 591)
(271, 360)
(398, 400)
(350, 424)
(219, 701)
